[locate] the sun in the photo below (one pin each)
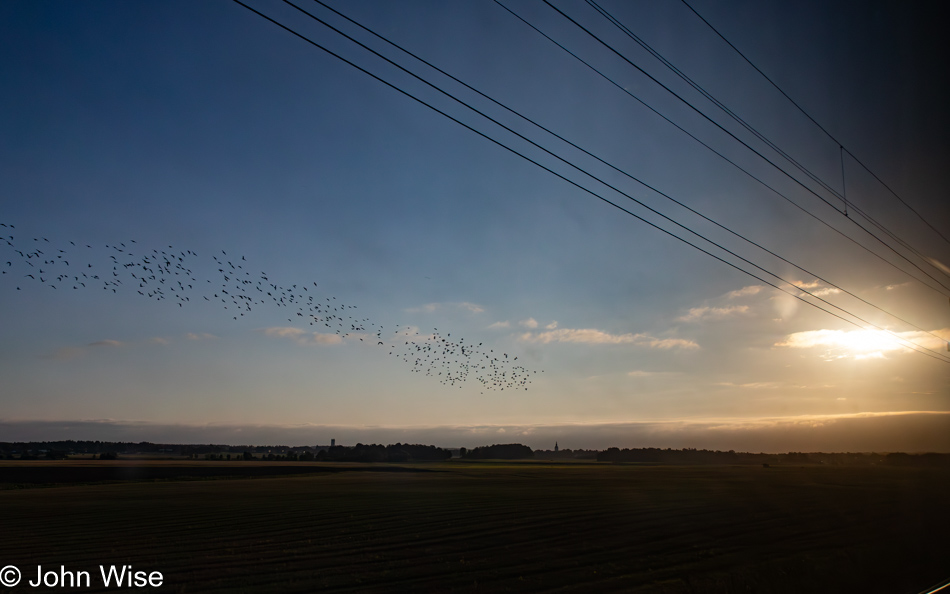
(867, 343)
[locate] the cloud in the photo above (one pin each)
(753, 385)
(302, 337)
(199, 336)
(592, 336)
(585, 336)
(641, 373)
(498, 325)
(670, 343)
(744, 291)
(897, 286)
(427, 308)
(159, 340)
(433, 307)
(529, 323)
(66, 353)
(940, 265)
(712, 313)
(73, 352)
(816, 289)
(552, 325)
(863, 344)
(284, 332)
(472, 307)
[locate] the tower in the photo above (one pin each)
(555, 446)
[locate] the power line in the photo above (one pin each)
(585, 151)
(585, 172)
(714, 151)
(440, 90)
(626, 30)
(770, 162)
(766, 159)
(616, 22)
(913, 346)
(814, 121)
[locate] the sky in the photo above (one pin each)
(201, 131)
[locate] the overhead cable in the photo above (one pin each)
(910, 344)
(814, 121)
(626, 30)
(763, 157)
(714, 151)
(590, 154)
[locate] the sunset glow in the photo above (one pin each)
(209, 222)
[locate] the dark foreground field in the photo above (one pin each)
(494, 527)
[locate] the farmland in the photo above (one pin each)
(482, 526)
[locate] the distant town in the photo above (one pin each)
(401, 453)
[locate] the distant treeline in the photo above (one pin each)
(122, 447)
(508, 451)
(694, 456)
(400, 452)
(107, 450)
(39, 448)
(566, 454)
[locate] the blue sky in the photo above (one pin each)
(202, 127)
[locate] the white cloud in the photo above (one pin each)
(529, 323)
(593, 336)
(752, 385)
(897, 286)
(744, 291)
(302, 337)
(66, 353)
(670, 343)
(940, 265)
(472, 307)
(427, 308)
(159, 340)
(641, 373)
(199, 336)
(498, 325)
(72, 352)
(586, 336)
(407, 331)
(816, 289)
(712, 313)
(432, 307)
(284, 332)
(552, 325)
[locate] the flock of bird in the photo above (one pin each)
(170, 274)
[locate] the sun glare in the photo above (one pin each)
(860, 344)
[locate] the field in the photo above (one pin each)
(480, 527)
